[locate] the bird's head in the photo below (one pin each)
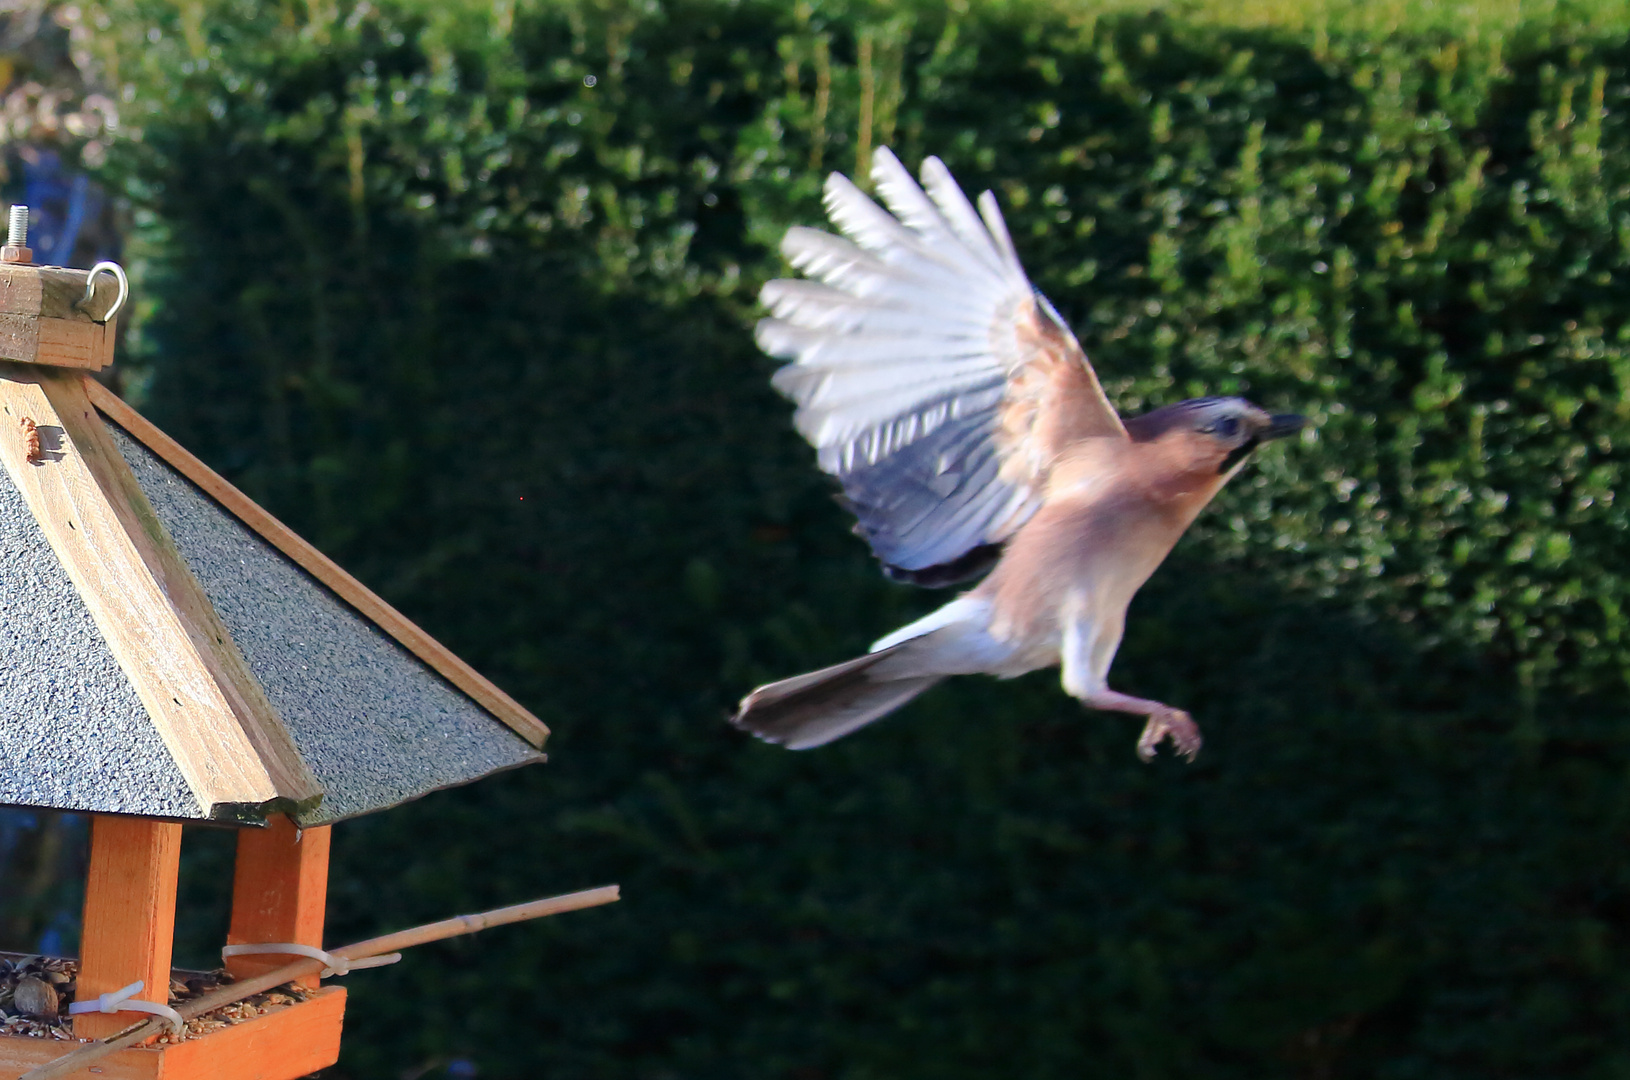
(1214, 435)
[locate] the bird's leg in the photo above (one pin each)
(1164, 722)
(1087, 649)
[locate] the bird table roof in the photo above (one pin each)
(169, 649)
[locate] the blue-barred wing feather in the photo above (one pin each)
(924, 366)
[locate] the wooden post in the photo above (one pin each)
(279, 892)
(129, 926)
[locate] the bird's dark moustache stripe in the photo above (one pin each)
(1238, 454)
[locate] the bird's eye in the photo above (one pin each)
(1227, 427)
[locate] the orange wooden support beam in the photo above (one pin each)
(279, 892)
(129, 926)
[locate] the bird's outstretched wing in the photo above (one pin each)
(934, 381)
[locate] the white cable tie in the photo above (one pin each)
(124, 1000)
(335, 965)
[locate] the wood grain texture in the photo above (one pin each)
(291, 1042)
(279, 893)
(74, 344)
(48, 291)
(321, 567)
(253, 712)
(40, 322)
(129, 920)
(104, 536)
(19, 337)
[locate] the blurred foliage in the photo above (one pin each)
(463, 292)
(48, 97)
(42, 855)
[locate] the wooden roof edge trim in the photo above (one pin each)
(259, 722)
(406, 633)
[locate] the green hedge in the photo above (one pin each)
(481, 329)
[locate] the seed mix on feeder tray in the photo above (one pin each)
(35, 992)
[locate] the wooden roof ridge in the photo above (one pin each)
(212, 716)
(325, 570)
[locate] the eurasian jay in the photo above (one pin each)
(970, 433)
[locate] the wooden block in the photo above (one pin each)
(19, 337)
(279, 892)
(75, 344)
(49, 291)
(283, 1045)
(209, 711)
(41, 322)
(129, 923)
(320, 566)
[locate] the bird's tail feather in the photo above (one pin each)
(817, 707)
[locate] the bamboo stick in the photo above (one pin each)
(469, 924)
(419, 935)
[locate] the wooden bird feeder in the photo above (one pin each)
(170, 653)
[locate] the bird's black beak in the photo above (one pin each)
(1282, 425)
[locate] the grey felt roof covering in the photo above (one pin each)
(73, 733)
(374, 723)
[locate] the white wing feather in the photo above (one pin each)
(902, 351)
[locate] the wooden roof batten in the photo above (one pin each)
(138, 526)
(211, 716)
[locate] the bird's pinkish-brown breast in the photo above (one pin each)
(1113, 510)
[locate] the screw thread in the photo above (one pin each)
(17, 236)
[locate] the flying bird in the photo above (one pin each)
(970, 434)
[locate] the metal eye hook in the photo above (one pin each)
(90, 289)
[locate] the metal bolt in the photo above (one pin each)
(16, 247)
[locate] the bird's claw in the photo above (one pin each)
(1174, 724)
